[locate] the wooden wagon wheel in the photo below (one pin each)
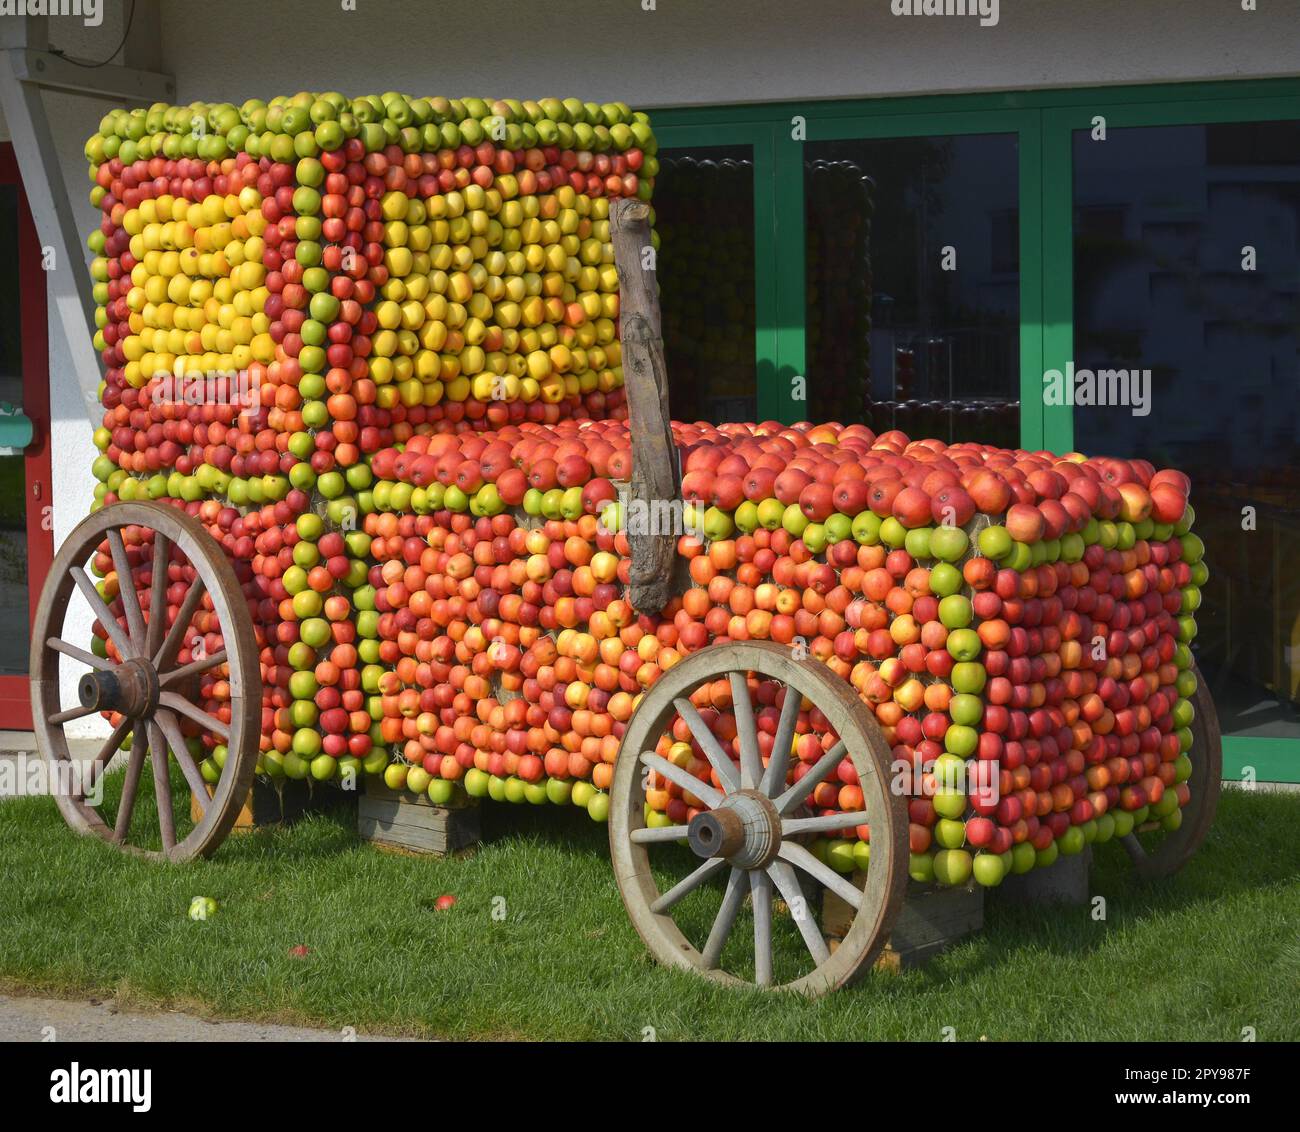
(1176, 848)
(750, 832)
(145, 685)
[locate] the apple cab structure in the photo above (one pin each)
(406, 550)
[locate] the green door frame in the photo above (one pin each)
(1044, 121)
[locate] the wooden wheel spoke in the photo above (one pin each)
(67, 716)
(193, 668)
(791, 826)
(798, 856)
(130, 786)
(104, 615)
(157, 595)
(126, 588)
(732, 899)
(1134, 848)
(162, 789)
(648, 836)
(106, 752)
(810, 781)
(760, 891)
(688, 885)
(198, 715)
(718, 758)
(702, 790)
(172, 642)
(751, 762)
(171, 729)
(86, 658)
(778, 766)
(788, 885)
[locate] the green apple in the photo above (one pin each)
(559, 790)
(892, 532)
(839, 855)
(324, 767)
(598, 807)
(794, 520)
(945, 579)
(1072, 842)
(1167, 805)
(771, 514)
(961, 740)
(920, 867)
(202, 908)
(514, 789)
(952, 866)
(476, 783)
(1047, 857)
(582, 793)
(917, 542)
(949, 543)
(956, 613)
(395, 776)
(440, 791)
(949, 803)
(963, 644)
(861, 855)
(989, 869)
(866, 528)
(1023, 858)
(950, 834)
(838, 528)
(994, 542)
(747, 517)
(968, 675)
(966, 709)
(496, 788)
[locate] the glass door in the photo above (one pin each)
(713, 211)
(1183, 267)
(921, 274)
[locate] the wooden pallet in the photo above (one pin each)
(932, 918)
(1066, 882)
(279, 803)
(406, 822)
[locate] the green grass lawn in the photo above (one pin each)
(1197, 957)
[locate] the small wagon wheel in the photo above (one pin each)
(749, 830)
(1176, 848)
(149, 678)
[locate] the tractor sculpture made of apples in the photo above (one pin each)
(384, 471)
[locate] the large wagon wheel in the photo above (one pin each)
(148, 687)
(751, 831)
(1176, 848)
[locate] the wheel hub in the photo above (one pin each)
(130, 688)
(745, 830)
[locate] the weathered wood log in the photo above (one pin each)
(655, 477)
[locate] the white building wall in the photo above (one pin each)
(711, 51)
